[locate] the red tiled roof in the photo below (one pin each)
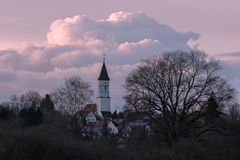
(90, 108)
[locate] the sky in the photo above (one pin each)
(44, 42)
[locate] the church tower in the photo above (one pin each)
(104, 100)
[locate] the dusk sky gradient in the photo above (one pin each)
(39, 46)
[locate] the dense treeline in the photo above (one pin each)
(52, 140)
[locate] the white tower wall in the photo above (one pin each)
(104, 100)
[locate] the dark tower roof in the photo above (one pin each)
(103, 74)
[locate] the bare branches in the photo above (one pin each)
(177, 85)
(73, 95)
(27, 100)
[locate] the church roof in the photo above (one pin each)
(103, 74)
(90, 108)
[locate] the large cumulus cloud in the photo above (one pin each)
(120, 27)
(75, 45)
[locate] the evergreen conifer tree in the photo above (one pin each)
(212, 111)
(47, 103)
(114, 115)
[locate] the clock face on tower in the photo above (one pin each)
(103, 89)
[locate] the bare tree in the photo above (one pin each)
(175, 88)
(26, 100)
(234, 112)
(72, 95)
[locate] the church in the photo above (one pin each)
(102, 107)
(96, 119)
(97, 116)
(103, 98)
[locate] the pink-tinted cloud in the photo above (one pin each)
(132, 47)
(75, 46)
